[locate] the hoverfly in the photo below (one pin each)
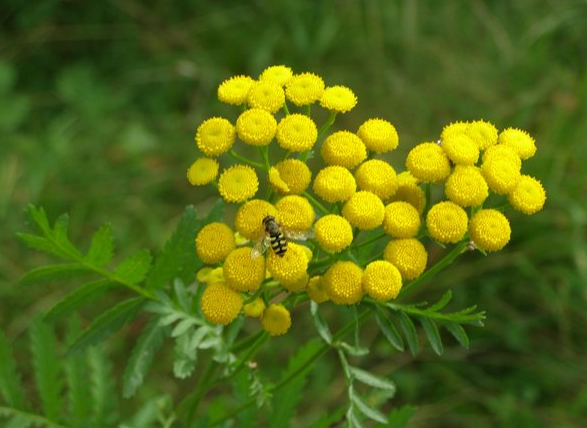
(274, 236)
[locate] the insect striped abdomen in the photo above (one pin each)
(278, 243)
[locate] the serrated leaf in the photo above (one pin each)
(101, 247)
(42, 244)
(81, 296)
(352, 420)
(107, 323)
(320, 324)
(60, 231)
(329, 419)
(53, 273)
(185, 357)
(183, 326)
(134, 269)
(10, 384)
(458, 332)
(353, 350)
(399, 417)
(141, 357)
(367, 410)
(39, 216)
(389, 330)
(409, 331)
(78, 390)
(372, 380)
(26, 419)
(446, 297)
(102, 388)
(432, 334)
(181, 295)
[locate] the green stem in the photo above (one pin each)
(193, 400)
(249, 162)
(309, 110)
(428, 190)
(316, 203)
(369, 241)
(265, 154)
(285, 109)
(327, 124)
(249, 354)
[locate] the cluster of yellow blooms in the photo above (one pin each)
(353, 193)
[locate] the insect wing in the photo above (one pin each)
(260, 247)
(297, 235)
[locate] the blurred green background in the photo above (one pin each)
(99, 102)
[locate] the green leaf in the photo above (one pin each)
(134, 269)
(81, 296)
(186, 355)
(388, 329)
(446, 297)
(352, 420)
(42, 244)
(53, 273)
(320, 324)
(409, 330)
(141, 357)
(107, 323)
(458, 333)
(365, 409)
(39, 216)
(27, 419)
(10, 384)
(78, 390)
(329, 419)
(102, 246)
(102, 388)
(60, 231)
(433, 335)
(399, 417)
(372, 380)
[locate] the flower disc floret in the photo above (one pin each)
(316, 290)
(333, 233)
(364, 210)
(528, 196)
(295, 213)
(466, 186)
(256, 127)
(276, 320)
(501, 174)
(202, 171)
(409, 191)
(248, 220)
(401, 220)
(243, 272)
(214, 242)
(255, 308)
(428, 162)
(378, 135)
(446, 222)
(461, 149)
(519, 140)
(408, 255)
(304, 89)
(453, 128)
(238, 183)
(338, 99)
(279, 74)
(335, 184)
(277, 182)
(382, 280)
(343, 148)
(215, 136)
(378, 177)
(490, 230)
(483, 133)
(291, 267)
(296, 133)
(234, 91)
(296, 175)
(266, 95)
(500, 150)
(343, 283)
(221, 304)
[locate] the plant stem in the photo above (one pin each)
(369, 241)
(327, 124)
(249, 162)
(265, 154)
(315, 202)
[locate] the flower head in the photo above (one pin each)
(255, 308)
(266, 95)
(501, 150)
(279, 74)
(401, 220)
(428, 162)
(221, 304)
(333, 233)
(378, 177)
(248, 220)
(342, 282)
(295, 213)
(235, 90)
(483, 133)
(378, 135)
(276, 320)
(501, 174)
(490, 230)
(295, 174)
(277, 182)
(343, 148)
(338, 99)
(381, 280)
(296, 132)
(202, 171)
(461, 149)
(238, 183)
(447, 222)
(316, 291)
(466, 186)
(291, 267)
(214, 242)
(335, 184)
(215, 136)
(408, 255)
(453, 128)
(364, 210)
(256, 127)
(522, 143)
(409, 191)
(242, 272)
(528, 196)
(304, 89)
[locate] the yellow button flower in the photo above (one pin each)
(453, 128)
(447, 222)
(528, 196)
(378, 135)
(221, 304)
(461, 149)
(335, 184)
(428, 162)
(290, 268)
(214, 242)
(339, 99)
(466, 186)
(296, 133)
(235, 90)
(333, 233)
(248, 220)
(304, 89)
(242, 272)
(279, 74)
(202, 171)
(238, 183)
(401, 220)
(364, 210)
(298, 285)
(277, 182)
(343, 148)
(215, 136)
(203, 274)
(408, 255)
(378, 177)
(276, 320)
(215, 276)
(501, 174)
(295, 213)
(519, 140)
(316, 290)
(255, 308)
(483, 133)
(295, 174)
(500, 150)
(266, 95)
(490, 230)
(409, 191)
(381, 280)
(342, 283)
(256, 127)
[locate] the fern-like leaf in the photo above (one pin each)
(78, 390)
(22, 419)
(10, 385)
(102, 389)
(135, 268)
(80, 296)
(102, 246)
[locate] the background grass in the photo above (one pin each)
(100, 100)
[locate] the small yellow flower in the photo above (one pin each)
(490, 230)
(256, 127)
(203, 274)
(447, 222)
(276, 320)
(221, 304)
(279, 74)
(298, 285)
(382, 280)
(364, 210)
(335, 184)
(234, 91)
(202, 171)
(519, 140)
(339, 99)
(296, 133)
(461, 149)
(528, 196)
(242, 272)
(409, 191)
(295, 213)
(309, 254)
(333, 233)
(266, 95)
(290, 268)
(316, 291)
(214, 242)
(277, 182)
(378, 177)
(215, 276)
(483, 133)
(401, 220)
(342, 283)
(501, 174)
(238, 183)
(408, 255)
(378, 135)
(305, 88)
(500, 150)
(295, 174)
(248, 220)
(255, 308)
(453, 128)
(428, 162)
(466, 186)
(343, 148)
(215, 136)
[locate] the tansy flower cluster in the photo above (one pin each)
(323, 215)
